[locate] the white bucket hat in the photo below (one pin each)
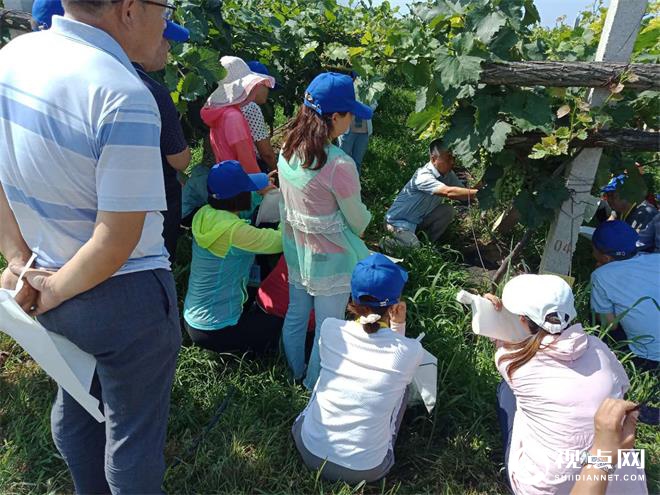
(537, 296)
(237, 84)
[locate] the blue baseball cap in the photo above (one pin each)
(332, 92)
(259, 68)
(377, 276)
(614, 184)
(615, 238)
(44, 10)
(227, 179)
(176, 32)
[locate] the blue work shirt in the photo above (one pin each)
(618, 285)
(416, 200)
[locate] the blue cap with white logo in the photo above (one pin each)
(614, 184)
(332, 92)
(227, 179)
(379, 277)
(615, 238)
(176, 32)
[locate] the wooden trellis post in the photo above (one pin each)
(616, 43)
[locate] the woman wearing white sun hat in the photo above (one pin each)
(553, 383)
(230, 133)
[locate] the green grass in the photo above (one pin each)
(454, 450)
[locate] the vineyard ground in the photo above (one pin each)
(455, 450)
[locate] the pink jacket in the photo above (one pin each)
(557, 395)
(230, 136)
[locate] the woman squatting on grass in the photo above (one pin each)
(553, 383)
(224, 248)
(322, 214)
(349, 427)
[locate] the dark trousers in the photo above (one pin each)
(130, 323)
(256, 332)
(619, 335)
(172, 223)
(506, 411)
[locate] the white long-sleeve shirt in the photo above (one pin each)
(351, 416)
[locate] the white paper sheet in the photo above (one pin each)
(426, 378)
(392, 259)
(269, 209)
(72, 368)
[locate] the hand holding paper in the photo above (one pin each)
(72, 368)
(25, 294)
(43, 282)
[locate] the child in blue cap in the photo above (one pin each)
(350, 425)
(622, 278)
(224, 248)
(323, 214)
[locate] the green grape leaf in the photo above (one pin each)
(528, 110)
(496, 141)
(621, 113)
(330, 15)
(537, 152)
(458, 70)
(420, 121)
(460, 137)
(417, 72)
(193, 87)
(171, 77)
(648, 37)
(487, 107)
(552, 193)
(531, 13)
(335, 51)
(489, 26)
(501, 46)
(486, 197)
(530, 214)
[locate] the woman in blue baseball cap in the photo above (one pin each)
(323, 215)
(351, 422)
(224, 247)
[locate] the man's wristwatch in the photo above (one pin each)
(597, 462)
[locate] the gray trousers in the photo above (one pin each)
(335, 472)
(434, 224)
(130, 323)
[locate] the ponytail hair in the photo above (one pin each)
(359, 310)
(527, 349)
(307, 135)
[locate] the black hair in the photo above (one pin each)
(241, 202)
(436, 147)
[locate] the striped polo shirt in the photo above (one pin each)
(79, 133)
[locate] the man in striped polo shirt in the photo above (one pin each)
(81, 185)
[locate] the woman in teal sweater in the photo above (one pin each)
(224, 247)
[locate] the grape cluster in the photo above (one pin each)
(509, 185)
